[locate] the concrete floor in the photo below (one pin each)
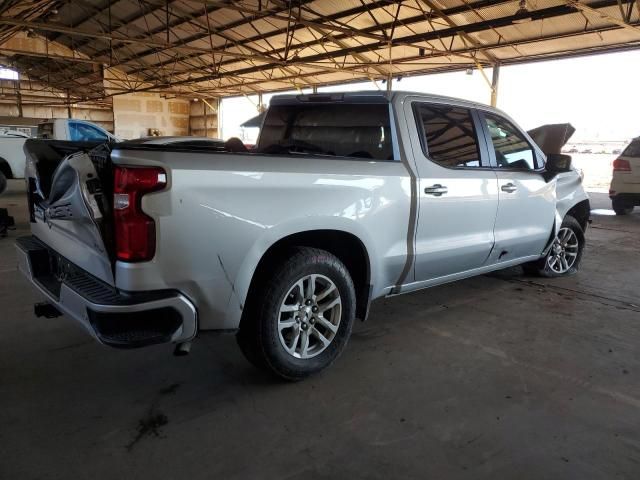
(497, 377)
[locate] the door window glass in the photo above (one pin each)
(449, 136)
(80, 132)
(511, 148)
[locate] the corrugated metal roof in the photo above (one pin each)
(216, 47)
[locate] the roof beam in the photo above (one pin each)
(592, 11)
(551, 12)
(299, 19)
(192, 38)
(53, 56)
(462, 66)
(354, 11)
(48, 27)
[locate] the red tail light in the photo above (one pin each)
(135, 231)
(620, 165)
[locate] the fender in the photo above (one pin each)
(291, 227)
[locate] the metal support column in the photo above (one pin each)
(219, 117)
(204, 117)
(16, 84)
(260, 104)
(495, 79)
(69, 113)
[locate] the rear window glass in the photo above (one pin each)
(633, 150)
(349, 130)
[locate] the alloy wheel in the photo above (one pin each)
(309, 316)
(564, 251)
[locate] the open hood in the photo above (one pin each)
(551, 138)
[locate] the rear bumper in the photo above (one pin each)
(630, 198)
(114, 317)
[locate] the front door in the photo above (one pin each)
(527, 206)
(457, 188)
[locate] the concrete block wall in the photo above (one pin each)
(135, 113)
(203, 119)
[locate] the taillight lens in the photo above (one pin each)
(621, 165)
(135, 231)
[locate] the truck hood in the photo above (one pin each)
(551, 138)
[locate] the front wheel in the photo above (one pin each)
(302, 317)
(3, 183)
(565, 254)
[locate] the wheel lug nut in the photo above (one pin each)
(307, 303)
(312, 321)
(314, 309)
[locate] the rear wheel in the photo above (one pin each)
(3, 183)
(620, 206)
(565, 254)
(301, 319)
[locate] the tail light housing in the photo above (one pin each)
(135, 231)
(621, 165)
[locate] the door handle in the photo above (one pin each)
(508, 187)
(436, 190)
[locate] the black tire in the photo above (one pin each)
(620, 206)
(259, 338)
(3, 183)
(541, 267)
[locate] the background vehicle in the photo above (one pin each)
(625, 183)
(74, 130)
(11, 156)
(346, 198)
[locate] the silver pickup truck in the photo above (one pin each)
(346, 198)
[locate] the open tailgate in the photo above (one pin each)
(70, 193)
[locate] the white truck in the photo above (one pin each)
(12, 158)
(346, 198)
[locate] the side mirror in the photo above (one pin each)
(557, 163)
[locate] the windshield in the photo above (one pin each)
(337, 129)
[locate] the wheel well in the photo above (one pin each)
(347, 247)
(581, 212)
(5, 168)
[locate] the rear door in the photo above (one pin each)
(458, 190)
(527, 206)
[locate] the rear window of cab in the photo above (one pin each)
(361, 131)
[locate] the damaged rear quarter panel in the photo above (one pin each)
(569, 192)
(221, 212)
